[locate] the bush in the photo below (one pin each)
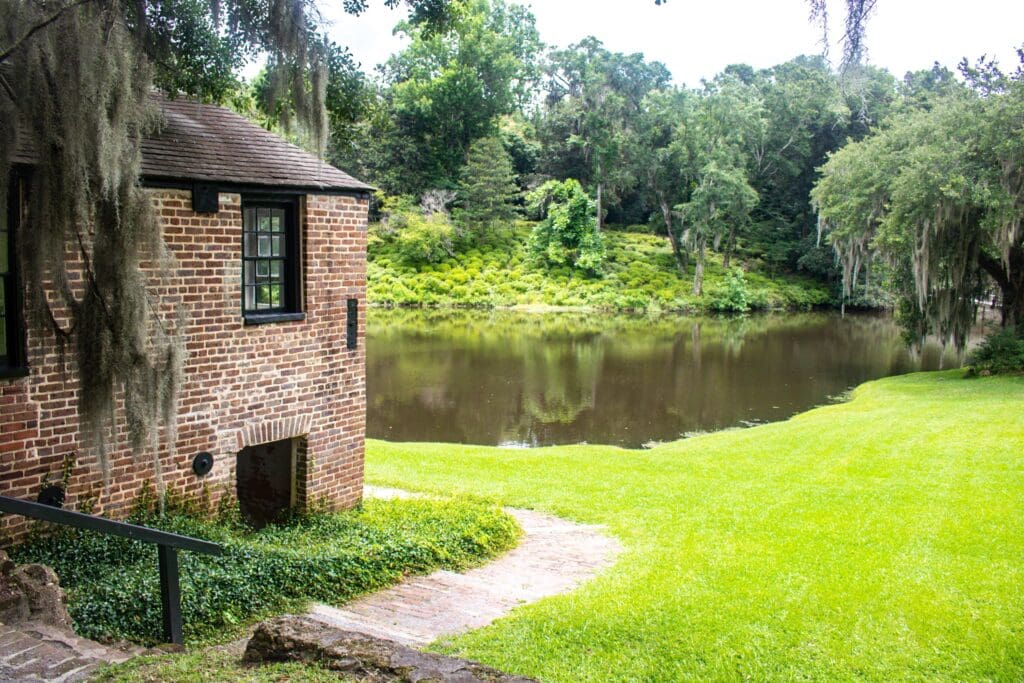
(638, 272)
(113, 586)
(568, 233)
(1001, 352)
(426, 239)
(731, 296)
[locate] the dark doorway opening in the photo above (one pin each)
(266, 481)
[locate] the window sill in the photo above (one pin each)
(264, 318)
(13, 372)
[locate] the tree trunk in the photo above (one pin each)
(600, 211)
(729, 242)
(698, 274)
(1011, 284)
(673, 239)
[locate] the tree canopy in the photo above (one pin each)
(939, 195)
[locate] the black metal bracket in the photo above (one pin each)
(205, 198)
(352, 325)
(167, 544)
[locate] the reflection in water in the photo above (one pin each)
(537, 379)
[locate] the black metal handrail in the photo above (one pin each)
(167, 544)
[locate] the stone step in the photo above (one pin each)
(31, 653)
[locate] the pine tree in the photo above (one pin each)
(488, 189)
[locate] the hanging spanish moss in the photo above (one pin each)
(854, 30)
(76, 81)
(78, 97)
(939, 196)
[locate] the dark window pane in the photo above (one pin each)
(276, 267)
(275, 296)
(263, 269)
(276, 222)
(264, 221)
(277, 248)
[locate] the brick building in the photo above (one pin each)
(270, 252)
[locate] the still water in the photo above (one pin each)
(528, 379)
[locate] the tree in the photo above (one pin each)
(940, 195)
(75, 83)
(449, 88)
(721, 202)
(806, 117)
(567, 235)
(488, 186)
(593, 99)
(665, 158)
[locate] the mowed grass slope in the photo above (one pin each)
(881, 539)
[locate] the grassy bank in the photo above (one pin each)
(879, 539)
(640, 274)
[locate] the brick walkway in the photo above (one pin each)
(553, 557)
(30, 653)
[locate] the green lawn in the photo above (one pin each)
(881, 539)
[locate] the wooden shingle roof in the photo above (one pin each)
(207, 143)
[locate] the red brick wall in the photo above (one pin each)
(244, 385)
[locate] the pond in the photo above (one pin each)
(532, 379)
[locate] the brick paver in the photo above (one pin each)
(553, 557)
(35, 653)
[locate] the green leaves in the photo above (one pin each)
(487, 188)
(113, 583)
(448, 88)
(939, 194)
(568, 233)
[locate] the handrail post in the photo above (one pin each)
(170, 594)
(166, 542)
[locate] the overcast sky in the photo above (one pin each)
(697, 38)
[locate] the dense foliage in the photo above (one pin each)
(1000, 352)
(444, 92)
(487, 189)
(639, 273)
(938, 195)
(567, 234)
(725, 167)
(113, 585)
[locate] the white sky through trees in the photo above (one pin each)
(698, 38)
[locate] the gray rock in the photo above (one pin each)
(376, 660)
(31, 592)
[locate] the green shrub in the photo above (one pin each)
(638, 272)
(113, 586)
(1001, 352)
(426, 239)
(568, 233)
(731, 296)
